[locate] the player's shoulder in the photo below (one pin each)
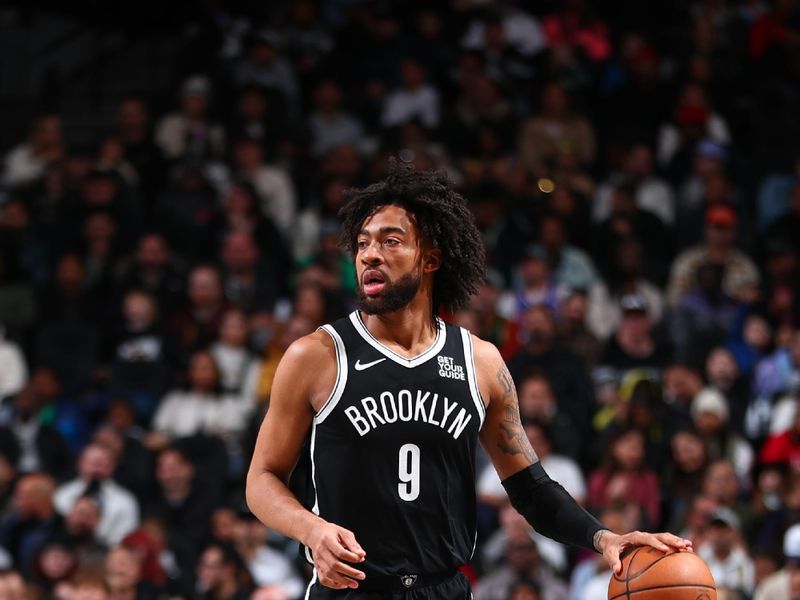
(486, 354)
(310, 351)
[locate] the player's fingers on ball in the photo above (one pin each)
(656, 543)
(676, 542)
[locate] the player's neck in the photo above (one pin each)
(409, 331)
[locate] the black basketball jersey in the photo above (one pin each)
(393, 450)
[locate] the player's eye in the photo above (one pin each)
(361, 244)
(391, 242)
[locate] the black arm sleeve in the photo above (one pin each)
(549, 509)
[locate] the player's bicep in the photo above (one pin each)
(502, 436)
(289, 418)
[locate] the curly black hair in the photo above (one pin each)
(442, 216)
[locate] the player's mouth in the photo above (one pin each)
(372, 282)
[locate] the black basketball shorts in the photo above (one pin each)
(455, 587)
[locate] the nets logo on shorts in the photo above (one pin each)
(450, 370)
(408, 580)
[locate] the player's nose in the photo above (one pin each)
(371, 255)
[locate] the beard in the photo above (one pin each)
(394, 296)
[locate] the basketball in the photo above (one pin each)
(649, 574)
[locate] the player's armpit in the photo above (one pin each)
(502, 435)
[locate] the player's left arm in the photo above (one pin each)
(544, 503)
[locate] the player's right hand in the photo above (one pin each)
(332, 548)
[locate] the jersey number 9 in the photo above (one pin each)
(408, 472)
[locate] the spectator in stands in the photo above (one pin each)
(569, 265)
(784, 228)
(782, 584)
(141, 356)
(248, 282)
(238, 366)
(241, 213)
(604, 309)
(781, 296)
(415, 100)
(539, 403)
(625, 476)
(202, 408)
(262, 115)
(740, 280)
(271, 182)
(79, 531)
(721, 486)
(123, 574)
(778, 373)
(30, 522)
(120, 511)
(268, 566)
(576, 25)
(196, 326)
(693, 120)
(13, 368)
(574, 331)
(685, 471)
(186, 212)
(222, 575)
(534, 285)
(783, 448)
(725, 553)
(522, 561)
(711, 414)
(154, 268)
(627, 221)
(56, 564)
(566, 371)
(190, 134)
(27, 162)
(555, 126)
(264, 66)
(481, 112)
(183, 504)
(635, 345)
(38, 445)
(650, 192)
(705, 314)
(21, 246)
(329, 125)
(134, 131)
(750, 344)
(491, 325)
(722, 374)
(133, 463)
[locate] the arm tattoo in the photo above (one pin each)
(515, 442)
(596, 538)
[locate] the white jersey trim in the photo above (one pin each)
(311, 583)
(435, 348)
(315, 508)
(472, 376)
(341, 376)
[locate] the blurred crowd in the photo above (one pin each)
(634, 169)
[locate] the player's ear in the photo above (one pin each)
(432, 260)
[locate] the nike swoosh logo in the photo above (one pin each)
(360, 367)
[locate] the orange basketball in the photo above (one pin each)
(649, 574)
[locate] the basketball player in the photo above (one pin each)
(395, 402)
